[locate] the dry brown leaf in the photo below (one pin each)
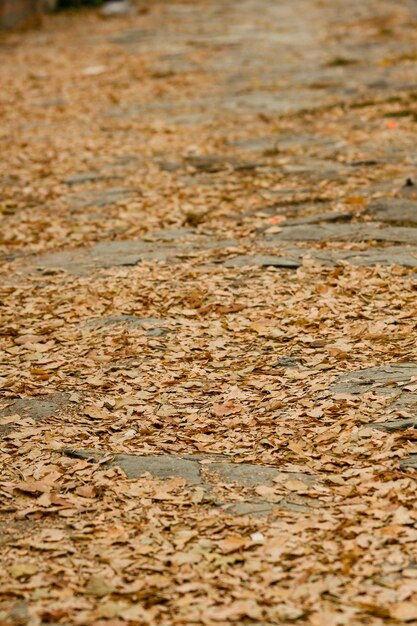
(98, 586)
(232, 543)
(229, 407)
(23, 569)
(404, 611)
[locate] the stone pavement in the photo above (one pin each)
(292, 58)
(209, 246)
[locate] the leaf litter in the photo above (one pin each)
(244, 366)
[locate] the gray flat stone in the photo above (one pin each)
(391, 255)
(81, 261)
(262, 509)
(287, 202)
(262, 261)
(106, 254)
(255, 509)
(159, 466)
(207, 163)
(200, 110)
(346, 232)
(191, 118)
(388, 380)
(405, 256)
(103, 255)
(90, 199)
(330, 216)
(288, 361)
(134, 466)
(113, 253)
(134, 36)
(281, 142)
(394, 210)
(171, 234)
(169, 166)
(127, 320)
(270, 102)
(251, 475)
(216, 163)
(383, 379)
(207, 470)
(316, 168)
(88, 177)
(19, 612)
(244, 474)
(37, 407)
(409, 462)
(297, 504)
(271, 143)
(396, 425)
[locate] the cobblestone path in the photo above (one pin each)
(208, 254)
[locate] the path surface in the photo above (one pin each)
(208, 315)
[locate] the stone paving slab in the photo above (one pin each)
(292, 258)
(409, 462)
(173, 234)
(244, 72)
(295, 503)
(159, 466)
(259, 260)
(256, 509)
(396, 381)
(91, 177)
(394, 210)
(154, 326)
(405, 256)
(314, 168)
(384, 379)
(329, 216)
(170, 244)
(215, 163)
(99, 199)
(396, 425)
(81, 261)
(160, 245)
(346, 232)
(107, 254)
(36, 407)
(273, 144)
(116, 253)
(250, 475)
(317, 76)
(207, 471)
(210, 109)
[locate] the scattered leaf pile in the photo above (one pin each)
(157, 301)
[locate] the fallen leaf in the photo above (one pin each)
(22, 570)
(227, 408)
(232, 543)
(98, 586)
(296, 485)
(404, 611)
